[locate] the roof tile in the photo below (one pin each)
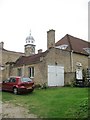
(74, 44)
(27, 60)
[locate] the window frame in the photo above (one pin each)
(31, 72)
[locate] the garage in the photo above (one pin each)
(55, 75)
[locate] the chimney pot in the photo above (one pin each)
(1, 45)
(40, 51)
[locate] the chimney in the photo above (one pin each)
(40, 51)
(1, 45)
(50, 39)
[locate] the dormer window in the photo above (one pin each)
(87, 50)
(63, 47)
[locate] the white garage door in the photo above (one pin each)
(55, 75)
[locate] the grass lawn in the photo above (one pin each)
(57, 102)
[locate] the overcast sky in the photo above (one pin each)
(18, 17)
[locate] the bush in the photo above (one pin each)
(86, 78)
(73, 82)
(67, 84)
(44, 86)
(37, 86)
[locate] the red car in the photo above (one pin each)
(18, 85)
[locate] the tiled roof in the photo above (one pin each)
(27, 60)
(74, 44)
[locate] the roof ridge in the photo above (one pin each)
(68, 38)
(78, 38)
(75, 44)
(30, 59)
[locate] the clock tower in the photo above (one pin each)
(29, 45)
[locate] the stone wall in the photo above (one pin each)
(40, 75)
(55, 57)
(59, 57)
(7, 56)
(10, 56)
(83, 59)
(0, 64)
(69, 77)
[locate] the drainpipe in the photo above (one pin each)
(23, 70)
(72, 61)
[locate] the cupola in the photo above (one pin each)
(30, 39)
(29, 45)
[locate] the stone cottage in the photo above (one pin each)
(7, 56)
(56, 66)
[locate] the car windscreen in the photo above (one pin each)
(26, 79)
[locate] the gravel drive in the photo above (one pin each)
(10, 110)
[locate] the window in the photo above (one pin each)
(31, 72)
(6, 81)
(12, 80)
(33, 49)
(87, 50)
(26, 79)
(32, 41)
(19, 72)
(63, 47)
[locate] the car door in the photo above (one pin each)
(11, 83)
(5, 84)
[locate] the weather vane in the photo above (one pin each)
(30, 31)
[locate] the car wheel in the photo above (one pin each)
(15, 91)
